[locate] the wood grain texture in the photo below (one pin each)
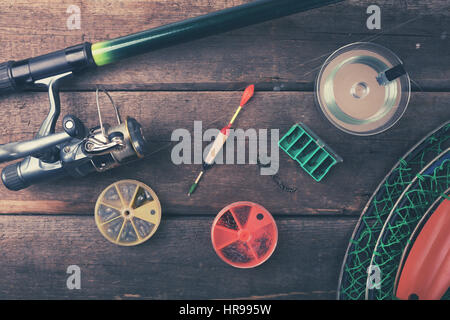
(162, 112)
(283, 53)
(46, 228)
(178, 262)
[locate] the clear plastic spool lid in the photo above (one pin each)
(352, 95)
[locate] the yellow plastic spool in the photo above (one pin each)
(127, 213)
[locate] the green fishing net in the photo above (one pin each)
(413, 204)
(353, 279)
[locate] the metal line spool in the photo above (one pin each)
(244, 234)
(128, 213)
(362, 88)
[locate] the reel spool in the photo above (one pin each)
(244, 234)
(363, 89)
(128, 213)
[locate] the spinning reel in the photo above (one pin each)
(74, 152)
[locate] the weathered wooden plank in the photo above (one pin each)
(368, 158)
(285, 52)
(177, 263)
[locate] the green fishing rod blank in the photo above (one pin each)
(199, 27)
(17, 75)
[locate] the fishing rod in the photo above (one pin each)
(18, 75)
(221, 138)
(78, 151)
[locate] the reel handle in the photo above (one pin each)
(17, 150)
(74, 127)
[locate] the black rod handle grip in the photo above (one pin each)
(18, 75)
(7, 83)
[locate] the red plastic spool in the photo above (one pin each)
(244, 234)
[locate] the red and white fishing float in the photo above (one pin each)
(221, 138)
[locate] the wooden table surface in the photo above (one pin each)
(46, 228)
